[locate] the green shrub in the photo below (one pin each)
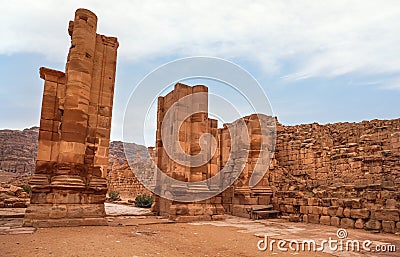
(143, 201)
(114, 195)
(26, 188)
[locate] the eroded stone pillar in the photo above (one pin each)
(189, 134)
(69, 185)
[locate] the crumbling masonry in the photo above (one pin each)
(344, 174)
(190, 132)
(69, 185)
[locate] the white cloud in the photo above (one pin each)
(391, 84)
(317, 38)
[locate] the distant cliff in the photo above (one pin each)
(18, 150)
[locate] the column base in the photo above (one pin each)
(206, 210)
(66, 200)
(65, 215)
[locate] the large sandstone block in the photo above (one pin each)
(389, 226)
(360, 213)
(347, 223)
(240, 210)
(332, 210)
(313, 201)
(325, 220)
(313, 218)
(387, 214)
(335, 221)
(347, 212)
(339, 212)
(373, 225)
(359, 224)
(316, 210)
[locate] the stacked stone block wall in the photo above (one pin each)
(121, 178)
(343, 174)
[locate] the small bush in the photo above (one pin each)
(114, 195)
(143, 201)
(26, 188)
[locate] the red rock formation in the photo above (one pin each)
(18, 150)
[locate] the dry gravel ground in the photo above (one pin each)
(155, 236)
(135, 237)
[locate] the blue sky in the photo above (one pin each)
(318, 61)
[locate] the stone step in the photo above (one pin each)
(261, 207)
(7, 213)
(256, 215)
(261, 191)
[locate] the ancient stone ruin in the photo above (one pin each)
(69, 185)
(122, 178)
(344, 174)
(189, 134)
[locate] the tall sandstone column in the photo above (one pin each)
(69, 186)
(229, 155)
(189, 134)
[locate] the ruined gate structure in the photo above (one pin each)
(69, 185)
(190, 132)
(343, 174)
(189, 135)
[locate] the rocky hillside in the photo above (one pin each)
(117, 151)
(18, 150)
